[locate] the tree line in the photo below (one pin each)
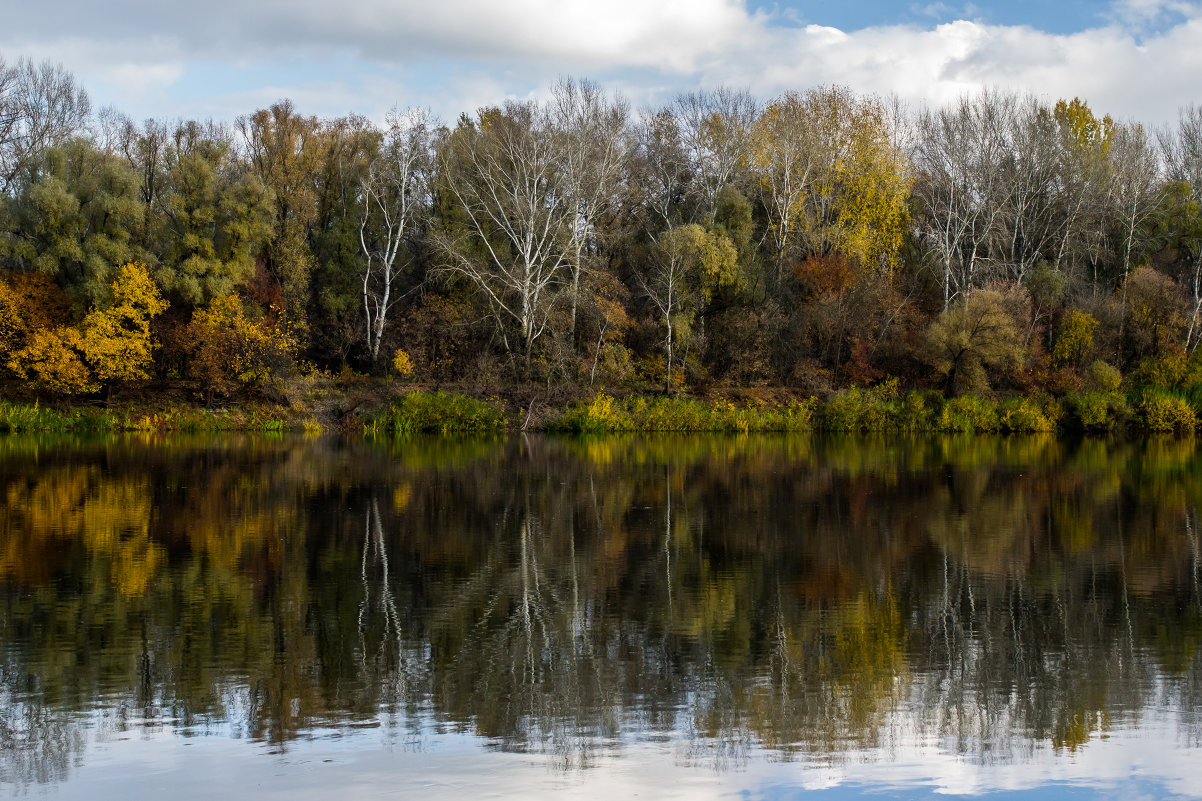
(819, 239)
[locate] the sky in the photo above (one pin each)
(1134, 59)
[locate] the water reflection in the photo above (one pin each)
(821, 600)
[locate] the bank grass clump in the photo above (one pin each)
(18, 417)
(606, 414)
(1028, 415)
(1164, 411)
(437, 413)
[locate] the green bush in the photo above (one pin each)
(1097, 411)
(856, 409)
(1101, 376)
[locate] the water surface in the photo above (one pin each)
(680, 616)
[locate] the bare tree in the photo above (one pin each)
(1182, 150)
(785, 160)
(395, 189)
(504, 172)
(716, 128)
(594, 144)
(1030, 220)
(961, 156)
(41, 105)
(1136, 185)
(661, 166)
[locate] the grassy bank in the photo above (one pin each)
(885, 409)
(882, 408)
(19, 417)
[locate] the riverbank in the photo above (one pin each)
(385, 407)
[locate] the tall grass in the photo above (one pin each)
(607, 414)
(437, 413)
(878, 409)
(18, 417)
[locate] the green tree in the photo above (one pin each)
(285, 150)
(215, 218)
(75, 219)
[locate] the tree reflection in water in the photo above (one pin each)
(820, 599)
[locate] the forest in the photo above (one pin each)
(817, 241)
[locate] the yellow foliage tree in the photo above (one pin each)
(1074, 339)
(117, 341)
(110, 344)
(12, 324)
(833, 180)
(233, 349)
(53, 360)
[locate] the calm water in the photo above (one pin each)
(527, 617)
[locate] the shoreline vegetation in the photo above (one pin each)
(375, 409)
(819, 261)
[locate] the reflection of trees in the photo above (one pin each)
(814, 597)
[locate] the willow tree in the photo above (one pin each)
(74, 219)
(214, 217)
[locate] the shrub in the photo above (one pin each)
(1074, 338)
(975, 339)
(968, 413)
(232, 348)
(1165, 372)
(402, 364)
(1165, 412)
(1096, 411)
(1101, 376)
(1023, 415)
(605, 414)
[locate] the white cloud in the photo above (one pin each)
(455, 55)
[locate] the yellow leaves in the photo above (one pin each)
(709, 254)
(837, 182)
(233, 348)
(1074, 339)
(402, 364)
(1083, 130)
(110, 344)
(12, 325)
(53, 359)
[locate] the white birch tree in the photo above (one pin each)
(395, 198)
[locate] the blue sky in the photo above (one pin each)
(1135, 59)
